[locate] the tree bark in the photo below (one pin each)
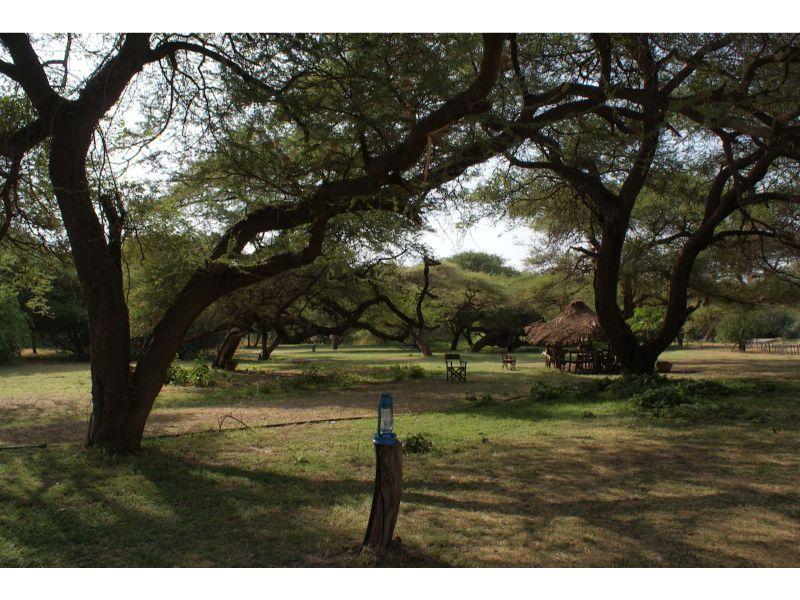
(267, 349)
(634, 357)
(420, 342)
(468, 338)
(227, 348)
(98, 265)
(454, 340)
(386, 496)
(626, 287)
(335, 341)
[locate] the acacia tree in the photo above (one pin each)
(722, 107)
(122, 397)
(326, 298)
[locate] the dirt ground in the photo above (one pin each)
(49, 402)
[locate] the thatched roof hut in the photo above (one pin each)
(577, 325)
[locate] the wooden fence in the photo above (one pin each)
(773, 347)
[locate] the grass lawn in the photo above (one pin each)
(511, 481)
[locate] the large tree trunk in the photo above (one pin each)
(99, 269)
(227, 348)
(490, 338)
(626, 287)
(468, 338)
(420, 342)
(267, 349)
(634, 358)
(454, 340)
(335, 341)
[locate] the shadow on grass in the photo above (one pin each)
(159, 508)
(594, 504)
(699, 499)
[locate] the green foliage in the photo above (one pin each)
(401, 372)
(686, 399)
(654, 395)
(542, 391)
(50, 295)
(417, 443)
(483, 262)
(646, 321)
(199, 374)
(702, 323)
(738, 326)
(14, 332)
(310, 379)
(777, 321)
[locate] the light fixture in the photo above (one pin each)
(385, 435)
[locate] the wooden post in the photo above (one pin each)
(386, 496)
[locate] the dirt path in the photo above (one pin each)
(66, 416)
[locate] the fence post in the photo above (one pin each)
(388, 488)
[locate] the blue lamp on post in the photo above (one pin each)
(385, 436)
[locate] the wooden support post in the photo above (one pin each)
(386, 497)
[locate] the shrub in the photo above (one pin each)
(631, 385)
(309, 378)
(417, 443)
(653, 394)
(661, 398)
(684, 399)
(547, 392)
(13, 327)
(401, 372)
(176, 375)
(198, 375)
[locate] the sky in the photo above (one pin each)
(510, 240)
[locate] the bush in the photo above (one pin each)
(14, 331)
(401, 372)
(684, 399)
(653, 394)
(308, 378)
(417, 443)
(547, 392)
(198, 375)
(661, 398)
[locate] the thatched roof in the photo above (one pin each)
(575, 326)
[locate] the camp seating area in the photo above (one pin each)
(456, 369)
(581, 361)
(569, 341)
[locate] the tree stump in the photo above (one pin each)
(386, 496)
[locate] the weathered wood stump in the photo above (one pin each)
(386, 496)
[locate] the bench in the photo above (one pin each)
(509, 361)
(456, 368)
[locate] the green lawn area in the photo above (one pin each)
(511, 481)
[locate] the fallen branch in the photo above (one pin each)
(221, 421)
